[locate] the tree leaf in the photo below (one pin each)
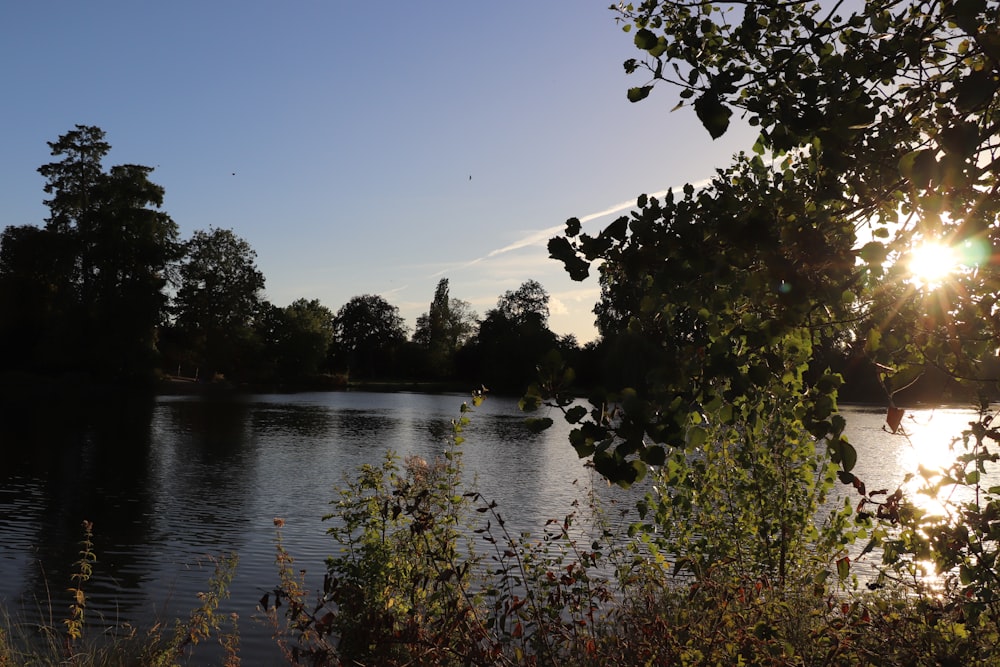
(561, 249)
(638, 93)
(712, 113)
(575, 414)
(645, 39)
(844, 568)
(844, 454)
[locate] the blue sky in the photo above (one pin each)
(353, 129)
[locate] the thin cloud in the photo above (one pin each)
(542, 236)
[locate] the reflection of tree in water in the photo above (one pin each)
(308, 421)
(507, 429)
(90, 459)
(373, 430)
(508, 461)
(204, 461)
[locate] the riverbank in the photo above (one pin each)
(173, 385)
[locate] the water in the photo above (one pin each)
(171, 483)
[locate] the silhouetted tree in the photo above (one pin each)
(100, 263)
(217, 302)
(36, 300)
(367, 333)
(442, 330)
(512, 340)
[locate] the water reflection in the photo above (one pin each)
(67, 463)
(915, 459)
(170, 482)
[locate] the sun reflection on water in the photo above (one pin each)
(934, 441)
(935, 484)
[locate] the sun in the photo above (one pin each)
(931, 263)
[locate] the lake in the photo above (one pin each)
(173, 481)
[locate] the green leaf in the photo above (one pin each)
(975, 90)
(561, 249)
(696, 436)
(844, 568)
(654, 455)
(903, 376)
(645, 39)
(873, 252)
(584, 447)
(531, 400)
(844, 454)
(712, 113)
(638, 93)
(919, 166)
(961, 139)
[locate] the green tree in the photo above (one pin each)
(72, 180)
(885, 120)
(303, 338)
(442, 330)
(877, 133)
(368, 331)
(217, 303)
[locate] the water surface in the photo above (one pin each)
(173, 482)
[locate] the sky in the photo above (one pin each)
(362, 147)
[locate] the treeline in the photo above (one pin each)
(106, 289)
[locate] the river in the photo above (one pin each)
(171, 482)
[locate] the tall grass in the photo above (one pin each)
(69, 642)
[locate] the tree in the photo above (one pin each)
(529, 303)
(367, 332)
(36, 300)
(877, 134)
(884, 118)
(303, 338)
(72, 180)
(443, 329)
(111, 249)
(217, 301)
(512, 340)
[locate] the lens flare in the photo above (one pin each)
(931, 263)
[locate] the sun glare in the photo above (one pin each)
(931, 263)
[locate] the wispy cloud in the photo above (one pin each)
(543, 235)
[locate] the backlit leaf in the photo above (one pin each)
(638, 93)
(712, 113)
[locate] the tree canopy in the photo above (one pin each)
(99, 268)
(878, 133)
(367, 331)
(218, 299)
(513, 338)
(443, 329)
